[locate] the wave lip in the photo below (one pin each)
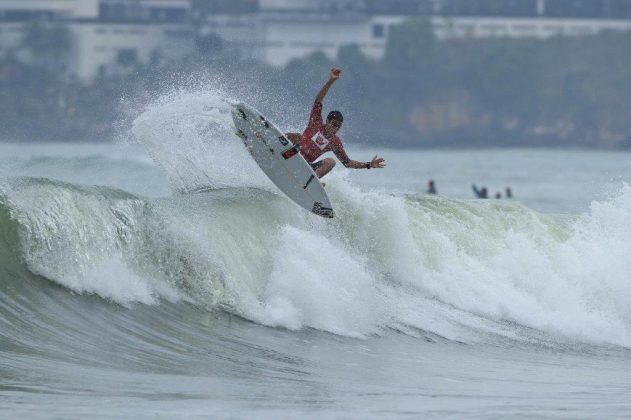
(83, 238)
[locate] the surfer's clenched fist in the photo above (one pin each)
(335, 73)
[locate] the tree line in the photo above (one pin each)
(424, 92)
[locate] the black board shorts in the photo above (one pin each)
(316, 165)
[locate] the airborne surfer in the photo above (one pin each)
(319, 138)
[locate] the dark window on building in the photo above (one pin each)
(209, 7)
(23, 15)
(489, 7)
(170, 14)
(617, 9)
(576, 8)
(127, 56)
(378, 30)
(400, 7)
(117, 10)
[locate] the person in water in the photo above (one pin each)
(319, 138)
(480, 193)
(431, 187)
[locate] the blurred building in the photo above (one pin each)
(115, 35)
(281, 30)
(21, 10)
(278, 38)
(168, 11)
(108, 36)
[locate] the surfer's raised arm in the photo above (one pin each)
(320, 137)
(333, 76)
(296, 138)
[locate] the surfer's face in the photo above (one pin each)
(331, 127)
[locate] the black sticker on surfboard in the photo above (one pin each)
(308, 182)
(291, 152)
(265, 123)
(322, 211)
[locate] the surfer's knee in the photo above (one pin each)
(328, 164)
(325, 168)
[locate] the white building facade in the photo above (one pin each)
(102, 45)
(105, 48)
(498, 27)
(276, 39)
(111, 35)
(58, 9)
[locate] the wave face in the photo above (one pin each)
(187, 285)
(227, 240)
(462, 270)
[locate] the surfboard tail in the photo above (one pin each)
(281, 160)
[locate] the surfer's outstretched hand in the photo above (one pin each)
(377, 162)
(335, 73)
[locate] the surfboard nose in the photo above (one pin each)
(238, 112)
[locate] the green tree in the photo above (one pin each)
(410, 44)
(209, 45)
(47, 40)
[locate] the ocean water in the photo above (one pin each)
(163, 275)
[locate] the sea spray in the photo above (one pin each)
(316, 283)
(507, 262)
(453, 268)
(191, 136)
(460, 266)
(497, 261)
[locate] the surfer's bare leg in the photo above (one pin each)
(325, 168)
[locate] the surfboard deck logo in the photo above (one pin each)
(280, 160)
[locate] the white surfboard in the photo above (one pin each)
(281, 160)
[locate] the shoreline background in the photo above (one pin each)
(559, 92)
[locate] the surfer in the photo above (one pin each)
(319, 138)
(480, 193)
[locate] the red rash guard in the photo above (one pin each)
(315, 144)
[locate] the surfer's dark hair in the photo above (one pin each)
(335, 115)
